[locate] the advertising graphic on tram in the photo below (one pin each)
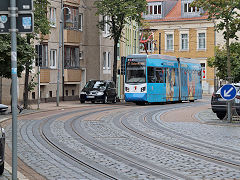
(161, 78)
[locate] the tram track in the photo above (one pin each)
(147, 120)
(54, 145)
(130, 162)
(71, 127)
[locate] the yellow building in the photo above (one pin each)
(182, 31)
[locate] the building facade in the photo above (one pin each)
(87, 54)
(182, 31)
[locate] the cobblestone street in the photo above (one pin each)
(125, 141)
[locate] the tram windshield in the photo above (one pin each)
(136, 72)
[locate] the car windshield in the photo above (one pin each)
(98, 85)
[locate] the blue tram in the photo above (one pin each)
(162, 78)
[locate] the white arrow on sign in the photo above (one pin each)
(226, 93)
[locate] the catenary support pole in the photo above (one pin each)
(13, 11)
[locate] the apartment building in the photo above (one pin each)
(182, 31)
(87, 53)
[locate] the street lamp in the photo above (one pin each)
(61, 41)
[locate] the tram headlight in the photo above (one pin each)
(126, 89)
(143, 89)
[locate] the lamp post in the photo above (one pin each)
(61, 40)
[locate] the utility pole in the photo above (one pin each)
(16, 11)
(13, 15)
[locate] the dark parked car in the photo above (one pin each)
(98, 91)
(2, 149)
(219, 105)
(3, 108)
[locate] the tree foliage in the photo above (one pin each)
(227, 14)
(25, 52)
(220, 60)
(119, 13)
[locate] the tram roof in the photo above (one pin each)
(161, 56)
(153, 56)
(189, 60)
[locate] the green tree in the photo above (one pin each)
(119, 13)
(42, 27)
(220, 60)
(227, 15)
(24, 52)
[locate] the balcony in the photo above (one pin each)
(72, 1)
(72, 76)
(72, 36)
(44, 75)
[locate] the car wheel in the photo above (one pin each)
(93, 101)
(2, 169)
(82, 102)
(105, 100)
(221, 115)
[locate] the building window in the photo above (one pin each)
(80, 54)
(150, 10)
(169, 42)
(75, 18)
(42, 55)
(71, 58)
(106, 26)
(53, 58)
(154, 9)
(50, 94)
(52, 17)
(80, 24)
(66, 92)
(184, 41)
(33, 95)
(106, 60)
(201, 41)
(73, 93)
(188, 9)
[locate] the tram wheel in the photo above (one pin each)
(140, 103)
(221, 115)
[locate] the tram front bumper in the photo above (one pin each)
(134, 97)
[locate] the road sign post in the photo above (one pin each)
(15, 16)
(228, 92)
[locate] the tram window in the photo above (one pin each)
(151, 75)
(160, 75)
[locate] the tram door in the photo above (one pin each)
(172, 87)
(156, 84)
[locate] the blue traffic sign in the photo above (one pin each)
(228, 92)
